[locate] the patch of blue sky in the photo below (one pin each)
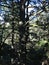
(32, 10)
(35, 2)
(1, 19)
(16, 0)
(1, 3)
(2, 12)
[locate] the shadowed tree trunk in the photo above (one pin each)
(23, 32)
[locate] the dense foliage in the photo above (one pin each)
(24, 35)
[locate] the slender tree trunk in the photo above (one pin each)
(23, 32)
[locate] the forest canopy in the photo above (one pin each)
(24, 32)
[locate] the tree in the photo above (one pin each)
(14, 18)
(27, 38)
